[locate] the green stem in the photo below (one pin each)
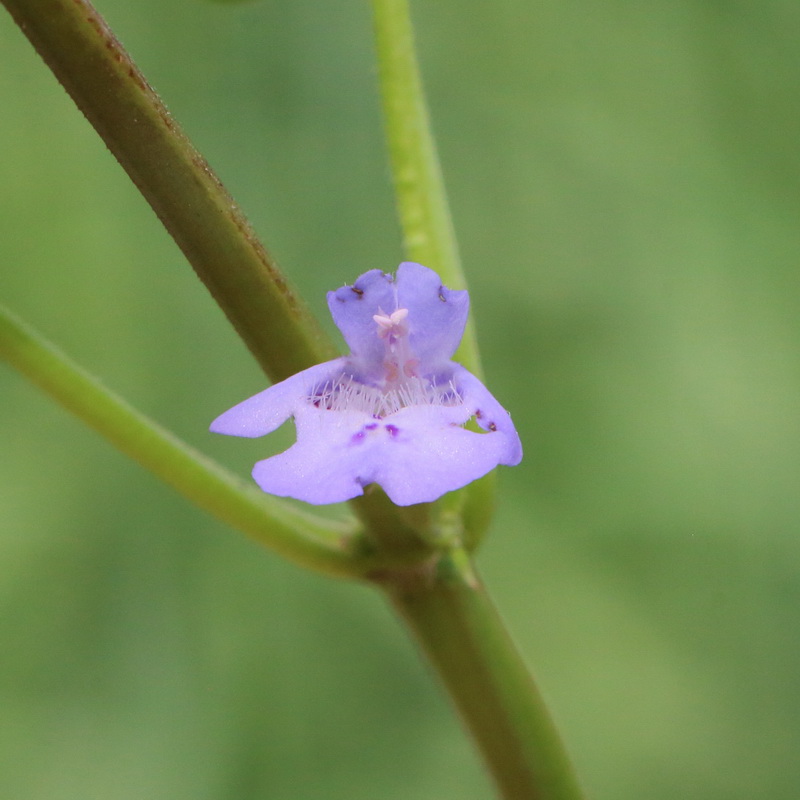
(457, 626)
(425, 219)
(303, 538)
(105, 83)
(424, 212)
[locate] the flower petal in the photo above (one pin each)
(353, 308)
(416, 455)
(430, 455)
(436, 315)
(326, 464)
(488, 413)
(267, 410)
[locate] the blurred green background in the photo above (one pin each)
(625, 179)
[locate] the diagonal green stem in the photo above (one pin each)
(301, 537)
(105, 83)
(459, 629)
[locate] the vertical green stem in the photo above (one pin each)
(457, 626)
(425, 217)
(424, 211)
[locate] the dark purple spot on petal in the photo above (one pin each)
(359, 292)
(357, 438)
(371, 426)
(441, 294)
(478, 414)
(492, 427)
(392, 430)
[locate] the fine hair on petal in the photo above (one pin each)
(350, 394)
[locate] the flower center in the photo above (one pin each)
(392, 325)
(398, 383)
(399, 364)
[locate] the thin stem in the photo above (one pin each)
(425, 217)
(105, 83)
(428, 232)
(307, 540)
(457, 626)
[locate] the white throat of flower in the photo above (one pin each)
(401, 385)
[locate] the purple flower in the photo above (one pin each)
(393, 411)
